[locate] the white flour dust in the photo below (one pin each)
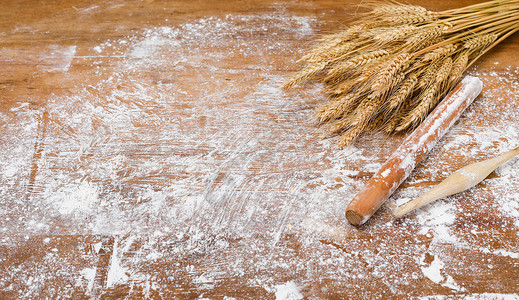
(221, 181)
(288, 291)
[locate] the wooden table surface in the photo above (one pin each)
(147, 151)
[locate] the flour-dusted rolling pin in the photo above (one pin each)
(398, 167)
(458, 181)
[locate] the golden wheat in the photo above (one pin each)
(354, 63)
(336, 108)
(426, 102)
(444, 71)
(440, 52)
(391, 68)
(403, 92)
(429, 74)
(458, 67)
(394, 34)
(387, 72)
(480, 41)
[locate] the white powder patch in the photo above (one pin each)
(11, 168)
(51, 58)
(57, 59)
(89, 275)
(211, 33)
(97, 247)
(433, 271)
(288, 291)
(436, 274)
(80, 199)
(117, 274)
(437, 218)
(204, 282)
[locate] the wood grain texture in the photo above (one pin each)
(147, 151)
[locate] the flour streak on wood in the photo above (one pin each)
(172, 165)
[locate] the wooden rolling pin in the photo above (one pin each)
(458, 181)
(398, 167)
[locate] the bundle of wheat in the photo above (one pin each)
(390, 69)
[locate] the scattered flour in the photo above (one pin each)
(288, 291)
(433, 271)
(80, 199)
(435, 274)
(57, 59)
(226, 169)
(116, 272)
(89, 275)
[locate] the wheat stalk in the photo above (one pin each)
(390, 69)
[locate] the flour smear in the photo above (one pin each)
(189, 158)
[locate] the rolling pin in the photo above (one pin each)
(414, 148)
(461, 180)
